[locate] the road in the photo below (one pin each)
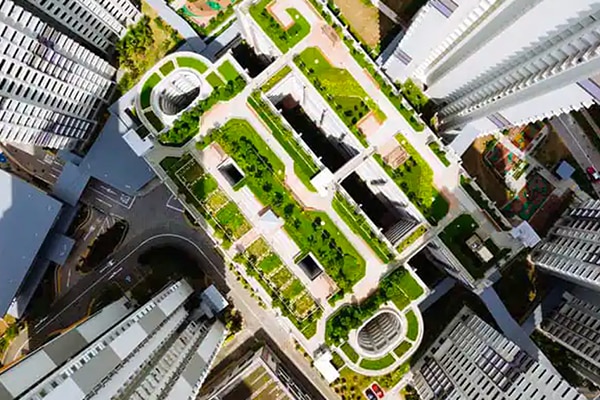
(43, 165)
(577, 142)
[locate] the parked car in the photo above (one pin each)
(593, 174)
(370, 395)
(378, 391)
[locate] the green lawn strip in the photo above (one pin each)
(228, 71)
(293, 289)
(357, 223)
(167, 68)
(339, 88)
(415, 178)
(284, 39)
(379, 363)
(258, 249)
(350, 352)
(337, 360)
(402, 348)
(147, 89)
(281, 277)
(412, 330)
(304, 167)
(204, 186)
(269, 264)
(187, 125)
(154, 120)
(410, 239)
(232, 219)
(391, 288)
(311, 230)
(441, 154)
(193, 63)
(214, 80)
(276, 78)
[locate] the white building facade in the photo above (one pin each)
(51, 87)
(471, 360)
(492, 64)
(571, 249)
(163, 350)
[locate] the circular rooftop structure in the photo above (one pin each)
(380, 333)
(178, 91)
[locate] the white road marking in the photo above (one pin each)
(69, 278)
(173, 207)
(103, 202)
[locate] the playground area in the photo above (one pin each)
(502, 160)
(529, 199)
(202, 11)
(523, 136)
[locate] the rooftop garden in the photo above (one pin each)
(288, 292)
(415, 178)
(311, 230)
(284, 37)
(276, 78)
(410, 239)
(358, 224)
(193, 63)
(399, 287)
(304, 166)
(339, 88)
(440, 153)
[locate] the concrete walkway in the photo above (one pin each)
(179, 24)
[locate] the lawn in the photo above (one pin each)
(293, 289)
(379, 363)
(415, 178)
(276, 78)
(228, 71)
(303, 304)
(311, 230)
(231, 218)
(441, 154)
(304, 166)
(402, 348)
(214, 80)
(339, 88)
(167, 68)
(351, 384)
(350, 352)
(413, 325)
(204, 186)
(284, 38)
(281, 277)
(358, 224)
(268, 264)
(216, 200)
(258, 249)
(410, 239)
(152, 81)
(193, 63)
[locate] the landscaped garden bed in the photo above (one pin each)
(351, 384)
(276, 78)
(441, 154)
(339, 88)
(304, 166)
(359, 225)
(415, 178)
(284, 37)
(410, 239)
(311, 230)
(379, 363)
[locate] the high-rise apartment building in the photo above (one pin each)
(52, 87)
(491, 64)
(571, 249)
(471, 360)
(575, 324)
(162, 350)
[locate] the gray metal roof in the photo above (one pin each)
(112, 161)
(70, 184)
(58, 247)
(26, 216)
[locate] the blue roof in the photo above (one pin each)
(70, 184)
(112, 161)
(565, 170)
(26, 216)
(58, 247)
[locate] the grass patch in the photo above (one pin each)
(284, 38)
(228, 71)
(410, 239)
(216, 200)
(414, 95)
(154, 120)
(269, 264)
(379, 363)
(281, 277)
(152, 81)
(204, 186)
(359, 225)
(293, 289)
(337, 361)
(167, 68)
(214, 80)
(258, 249)
(415, 178)
(304, 166)
(402, 349)
(276, 78)
(339, 88)
(351, 384)
(311, 230)
(350, 352)
(413, 325)
(193, 63)
(232, 220)
(441, 154)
